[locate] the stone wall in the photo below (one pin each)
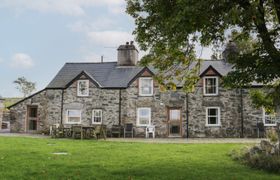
(48, 103)
(229, 101)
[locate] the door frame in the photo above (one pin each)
(168, 121)
(27, 118)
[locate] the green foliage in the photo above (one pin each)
(258, 160)
(24, 86)
(32, 158)
(272, 135)
(170, 28)
(10, 101)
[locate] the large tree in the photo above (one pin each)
(168, 29)
(24, 86)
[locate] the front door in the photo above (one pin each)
(174, 122)
(32, 118)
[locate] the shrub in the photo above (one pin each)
(256, 158)
(272, 135)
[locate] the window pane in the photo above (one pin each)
(144, 113)
(83, 87)
(97, 119)
(174, 114)
(212, 112)
(210, 85)
(143, 120)
(74, 113)
(212, 120)
(146, 86)
(33, 112)
(74, 119)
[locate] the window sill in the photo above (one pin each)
(143, 125)
(96, 123)
(72, 123)
(212, 125)
(270, 125)
(205, 95)
(82, 96)
(145, 95)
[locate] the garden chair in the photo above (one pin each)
(100, 131)
(116, 130)
(128, 129)
(150, 130)
(77, 131)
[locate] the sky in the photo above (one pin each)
(37, 37)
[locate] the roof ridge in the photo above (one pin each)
(91, 62)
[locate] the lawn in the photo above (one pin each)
(33, 158)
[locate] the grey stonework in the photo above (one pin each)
(229, 101)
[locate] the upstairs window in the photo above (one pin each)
(83, 88)
(213, 116)
(73, 116)
(145, 86)
(97, 116)
(144, 117)
(210, 86)
(269, 118)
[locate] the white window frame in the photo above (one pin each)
(78, 88)
(218, 116)
(138, 116)
(92, 118)
(267, 115)
(204, 85)
(67, 117)
(140, 84)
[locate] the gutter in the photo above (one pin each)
(241, 114)
(187, 114)
(120, 106)
(62, 99)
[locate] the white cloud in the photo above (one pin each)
(110, 38)
(65, 7)
(1, 60)
(21, 60)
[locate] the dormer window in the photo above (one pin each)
(83, 88)
(146, 86)
(210, 86)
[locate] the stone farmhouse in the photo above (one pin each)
(116, 93)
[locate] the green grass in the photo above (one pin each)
(10, 101)
(32, 158)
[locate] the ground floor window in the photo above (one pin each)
(143, 116)
(213, 116)
(269, 118)
(97, 116)
(73, 116)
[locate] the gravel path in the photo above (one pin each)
(157, 140)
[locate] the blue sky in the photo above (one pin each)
(38, 36)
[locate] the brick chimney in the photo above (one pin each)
(127, 54)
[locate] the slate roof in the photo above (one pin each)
(110, 75)
(107, 74)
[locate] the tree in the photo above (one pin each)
(24, 86)
(170, 28)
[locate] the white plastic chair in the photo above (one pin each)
(150, 130)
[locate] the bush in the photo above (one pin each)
(272, 135)
(257, 158)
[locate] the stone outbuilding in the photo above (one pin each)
(121, 92)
